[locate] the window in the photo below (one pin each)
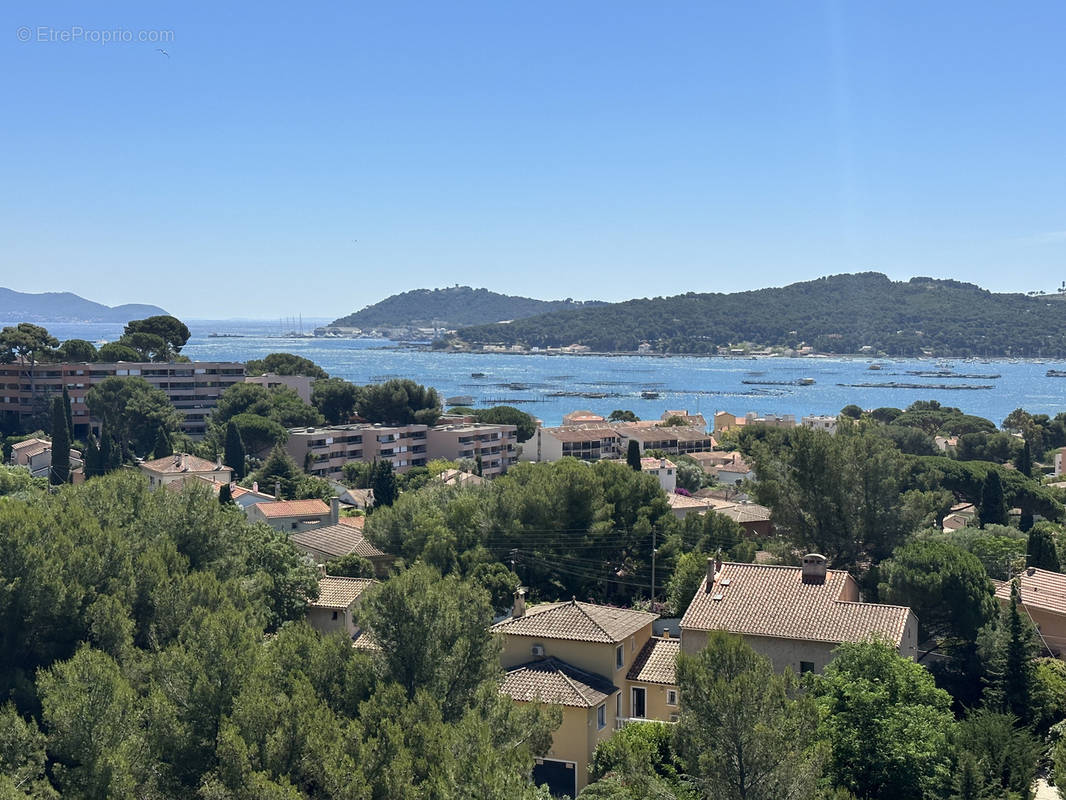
(619, 656)
(671, 697)
(618, 704)
(601, 717)
(334, 615)
(806, 666)
(675, 717)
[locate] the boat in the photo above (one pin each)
(1056, 373)
(805, 381)
(875, 366)
(477, 374)
(225, 336)
(460, 400)
(650, 395)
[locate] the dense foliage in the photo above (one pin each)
(922, 315)
(450, 308)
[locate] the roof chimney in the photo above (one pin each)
(814, 568)
(519, 609)
(277, 490)
(662, 463)
(334, 510)
(255, 486)
(714, 566)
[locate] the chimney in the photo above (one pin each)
(334, 510)
(662, 463)
(321, 570)
(519, 609)
(277, 490)
(255, 486)
(714, 566)
(814, 569)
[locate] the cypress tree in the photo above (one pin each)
(225, 495)
(234, 453)
(69, 416)
(993, 505)
(1024, 462)
(92, 458)
(633, 455)
(1018, 667)
(60, 472)
(162, 447)
(1041, 550)
(383, 484)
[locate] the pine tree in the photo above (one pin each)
(69, 416)
(969, 785)
(234, 456)
(993, 505)
(162, 447)
(60, 472)
(633, 455)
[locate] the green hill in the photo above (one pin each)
(453, 307)
(837, 314)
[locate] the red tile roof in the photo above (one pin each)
(585, 622)
(293, 508)
(763, 600)
(336, 592)
(1042, 589)
(656, 662)
(335, 541)
(169, 465)
(556, 682)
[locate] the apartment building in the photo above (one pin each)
(586, 443)
(495, 445)
(301, 384)
(671, 439)
(193, 388)
(325, 451)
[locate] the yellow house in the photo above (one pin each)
(334, 610)
(1043, 596)
(601, 664)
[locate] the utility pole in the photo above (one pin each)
(653, 565)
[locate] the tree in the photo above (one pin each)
(234, 452)
(162, 447)
(743, 731)
(619, 415)
(335, 399)
(257, 434)
(887, 725)
(633, 455)
(383, 483)
(434, 635)
(77, 350)
(67, 413)
(1004, 752)
(279, 468)
(1041, 548)
(400, 402)
(350, 566)
(852, 411)
(685, 580)
(22, 757)
(525, 425)
(29, 344)
(171, 332)
(132, 411)
(993, 506)
(60, 470)
(286, 364)
(1009, 649)
(637, 762)
(945, 586)
(89, 710)
(113, 352)
(225, 495)
(1024, 462)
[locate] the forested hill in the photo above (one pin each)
(452, 308)
(837, 314)
(67, 307)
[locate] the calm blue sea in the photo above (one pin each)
(695, 384)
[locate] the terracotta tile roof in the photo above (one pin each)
(335, 541)
(584, 622)
(1043, 590)
(556, 682)
(656, 662)
(657, 463)
(29, 442)
(353, 522)
(181, 463)
(745, 512)
(684, 501)
(456, 477)
(293, 508)
(581, 434)
(336, 592)
(657, 433)
(762, 600)
(36, 450)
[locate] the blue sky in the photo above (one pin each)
(314, 158)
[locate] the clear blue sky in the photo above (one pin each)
(585, 149)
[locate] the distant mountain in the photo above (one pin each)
(452, 308)
(67, 307)
(837, 314)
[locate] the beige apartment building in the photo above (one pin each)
(301, 384)
(193, 388)
(325, 451)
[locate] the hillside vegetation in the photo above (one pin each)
(67, 307)
(452, 308)
(837, 314)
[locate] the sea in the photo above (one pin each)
(549, 386)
